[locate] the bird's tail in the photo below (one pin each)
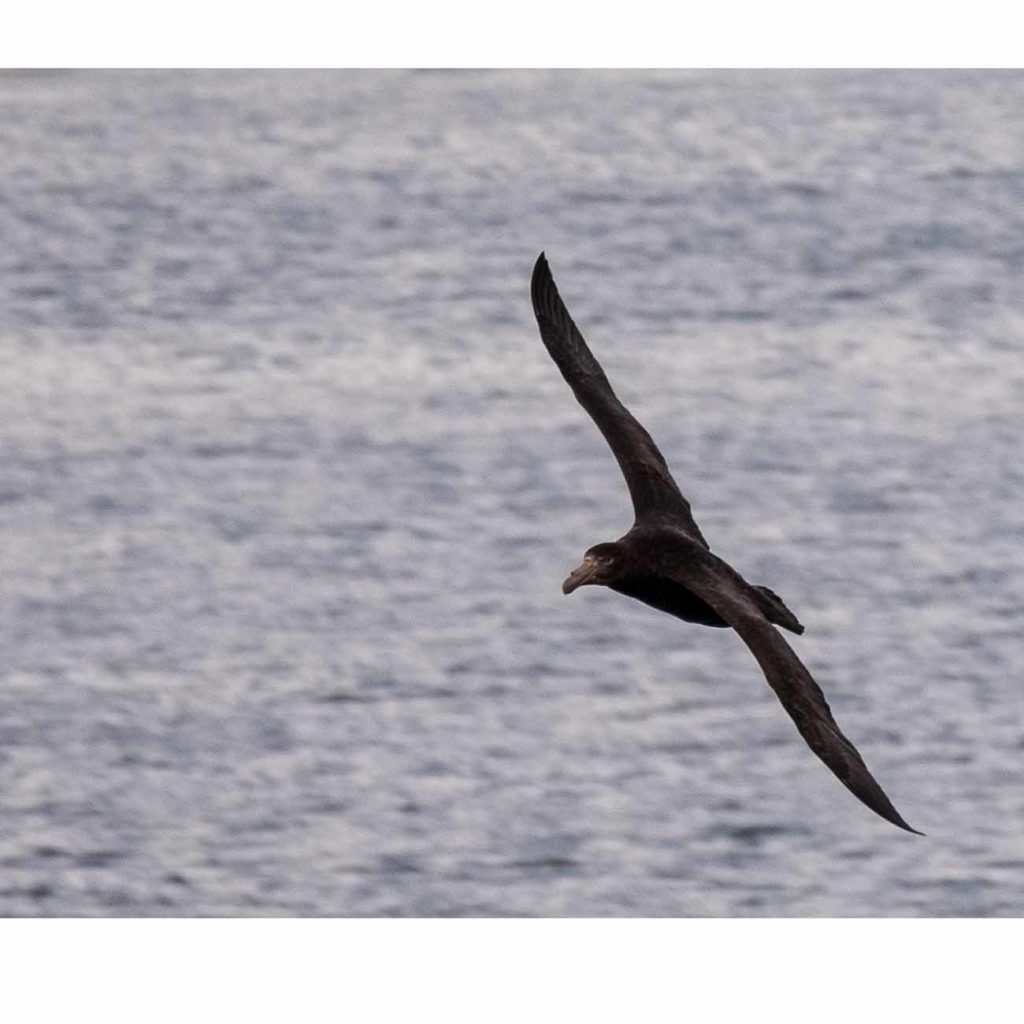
(776, 611)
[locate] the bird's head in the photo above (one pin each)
(600, 565)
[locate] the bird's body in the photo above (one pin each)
(642, 573)
(633, 567)
(665, 561)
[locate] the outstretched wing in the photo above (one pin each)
(650, 483)
(722, 588)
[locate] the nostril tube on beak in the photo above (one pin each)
(580, 576)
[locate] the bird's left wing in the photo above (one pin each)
(647, 475)
(726, 591)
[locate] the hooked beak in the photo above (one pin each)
(580, 576)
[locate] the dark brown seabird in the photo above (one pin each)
(665, 562)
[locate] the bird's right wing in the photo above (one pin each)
(647, 476)
(722, 588)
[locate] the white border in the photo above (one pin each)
(514, 971)
(527, 33)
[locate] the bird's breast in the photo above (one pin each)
(670, 597)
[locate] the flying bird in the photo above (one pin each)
(665, 562)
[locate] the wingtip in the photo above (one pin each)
(897, 820)
(542, 288)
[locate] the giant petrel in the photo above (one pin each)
(664, 560)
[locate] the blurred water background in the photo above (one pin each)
(288, 486)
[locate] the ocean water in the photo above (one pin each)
(288, 487)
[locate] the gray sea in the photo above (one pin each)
(289, 485)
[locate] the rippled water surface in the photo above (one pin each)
(288, 487)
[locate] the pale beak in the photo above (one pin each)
(580, 576)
